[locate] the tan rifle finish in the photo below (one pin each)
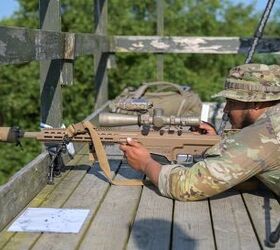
(168, 144)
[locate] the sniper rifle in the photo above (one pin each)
(174, 146)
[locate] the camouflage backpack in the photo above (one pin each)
(172, 98)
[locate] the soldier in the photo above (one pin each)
(252, 93)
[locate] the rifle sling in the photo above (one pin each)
(102, 158)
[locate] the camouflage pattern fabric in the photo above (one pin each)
(252, 83)
(254, 151)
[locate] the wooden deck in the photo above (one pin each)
(139, 218)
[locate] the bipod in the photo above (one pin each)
(275, 236)
(56, 163)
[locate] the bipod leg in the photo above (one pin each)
(275, 236)
(56, 163)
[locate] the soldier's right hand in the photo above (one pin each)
(205, 128)
(138, 157)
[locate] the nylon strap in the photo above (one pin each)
(141, 90)
(102, 158)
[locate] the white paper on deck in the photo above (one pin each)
(50, 220)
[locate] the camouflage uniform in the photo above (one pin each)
(254, 151)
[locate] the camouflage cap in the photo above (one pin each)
(252, 83)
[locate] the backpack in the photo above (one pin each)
(172, 98)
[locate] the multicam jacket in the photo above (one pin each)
(254, 151)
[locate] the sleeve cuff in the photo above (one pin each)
(163, 181)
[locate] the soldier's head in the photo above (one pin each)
(249, 90)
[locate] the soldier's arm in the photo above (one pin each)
(234, 160)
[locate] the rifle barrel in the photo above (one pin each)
(31, 135)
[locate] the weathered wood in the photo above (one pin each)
(192, 228)
(38, 45)
(152, 226)
(101, 79)
(87, 43)
(67, 72)
(45, 45)
(232, 226)
(22, 187)
(5, 236)
(50, 19)
(100, 57)
(264, 211)
(110, 227)
(56, 199)
(67, 64)
(39, 198)
(50, 94)
(160, 32)
(202, 45)
(50, 71)
(28, 182)
(93, 189)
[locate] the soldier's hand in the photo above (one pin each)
(138, 157)
(204, 128)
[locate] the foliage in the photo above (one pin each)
(19, 84)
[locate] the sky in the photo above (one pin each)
(7, 7)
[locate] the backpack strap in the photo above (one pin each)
(142, 89)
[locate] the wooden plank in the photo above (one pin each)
(264, 210)
(160, 32)
(67, 64)
(93, 189)
(67, 72)
(100, 16)
(50, 71)
(37, 45)
(232, 226)
(153, 223)
(27, 183)
(45, 45)
(5, 236)
(23, 184)
(111, 225)
(55, 200)
(101, 78)
(100, 57)
(22, 188)
(192, 227)
(67, 67)
(202, 45)
(40, 197)
(50, 93)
